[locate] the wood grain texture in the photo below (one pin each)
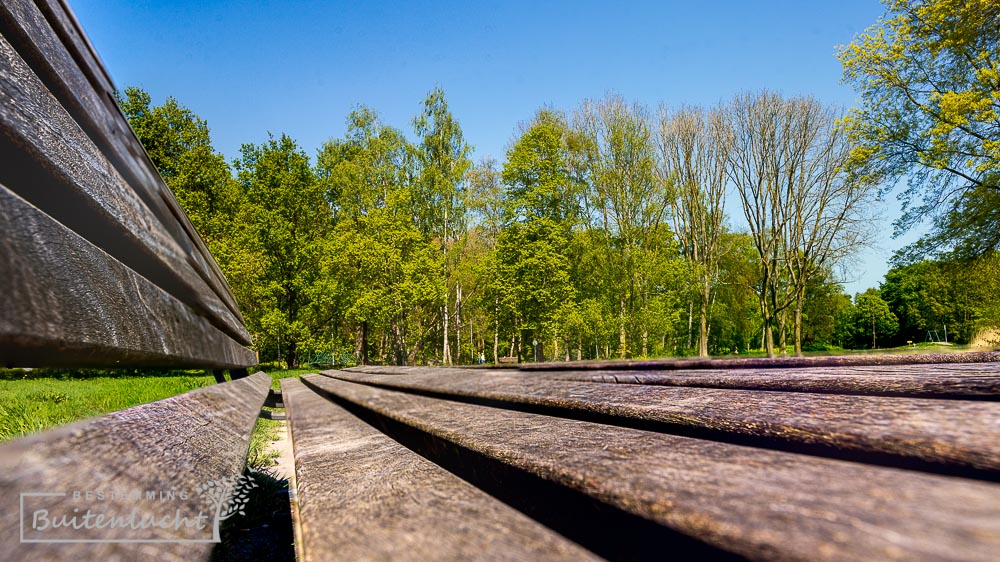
(964, 381)
(66, 302)
(755, 502)
(63, 172)
(49, 38)
(768, 363)
(975, 381)
(177, 443)
(363, 496)
(942, 433)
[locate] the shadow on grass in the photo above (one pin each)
(265, 532)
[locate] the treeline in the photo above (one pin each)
(603, 232)
(602, 235)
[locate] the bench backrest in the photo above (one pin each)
(99, 265)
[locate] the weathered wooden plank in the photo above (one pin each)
(950, 436)
(173, 444)
(976, 381)
(63, 173)
(755, 502)
(966, 381)
(363, 496)
(66, 302)
(50, 39)
(768, 363)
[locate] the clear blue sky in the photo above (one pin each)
(300, 67)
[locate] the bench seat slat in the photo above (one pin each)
(947, 435)
(977, 381)
(66, 302)
(363, 496)
(962, 381)
(176, 443)
(754, 502)
(767, 362)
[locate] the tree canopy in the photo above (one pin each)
(929, 78)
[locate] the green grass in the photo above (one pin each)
(261, 455)
(278, 374)
(35, 400)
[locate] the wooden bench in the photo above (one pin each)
(865, 458)
(507, 359)
(100, 267)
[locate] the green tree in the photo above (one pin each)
(693, 147)
(439, 201)
(929, 78)
(627, 202)
(937, 297)
(823, 306)
(284, 224)
(387, 269)
(540, 210)
(872, 316)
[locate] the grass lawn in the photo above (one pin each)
(32, 401)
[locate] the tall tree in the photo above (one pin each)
(625, 201)
(285, 220)
(439, 203)
(830, 209)
(873, 316)
(693, 147)
(805, 212)
(386, 266)
(755, 167)
(929, 77)
(540, 209)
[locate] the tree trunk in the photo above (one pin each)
(621, 329)
(399, 353)
(690, 322)
(873, 332)
(445, 350)
(769, 339)
(362, 351)
(496, 331)
(703, 321)
(291, 357)
(799, 301)
(458, 325)
(782, 332)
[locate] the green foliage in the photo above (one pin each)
(929, 81)
(532, 275)
(392, 251)
(872, 317)
(276, 270)
(388, 272)
(934, 297)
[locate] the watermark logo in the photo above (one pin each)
(134, 515)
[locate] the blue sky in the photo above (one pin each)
(299, 67)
